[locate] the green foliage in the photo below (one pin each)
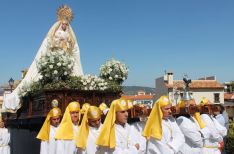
(133, 90)
(55, 70)
(232, 85)
(229, 146)
(73, 82)
(113, 86)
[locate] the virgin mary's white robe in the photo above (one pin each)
(4, 141)
(171, 142)
(67, 146)
(11, 102)
(49, 147)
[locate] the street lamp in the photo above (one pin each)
(176, 95)
(11, 83)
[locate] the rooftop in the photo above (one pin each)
(196, 84)
(228, 96)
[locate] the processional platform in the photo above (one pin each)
(38, 105)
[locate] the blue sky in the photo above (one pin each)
(195, 37)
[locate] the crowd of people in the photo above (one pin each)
(94, 130)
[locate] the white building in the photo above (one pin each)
(205, 87)
(141, 98)
(1, 98)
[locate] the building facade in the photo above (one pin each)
(141, 98)
(205, 87)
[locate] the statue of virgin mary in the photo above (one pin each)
(60, 36)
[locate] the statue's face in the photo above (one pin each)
(64, 26)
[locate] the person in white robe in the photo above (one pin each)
(59, 36)
(193, 128)
(221, 116)
(161, 130)
(217, 132)
(89, 131)
(139, 126)
(4, 138)
(116, 135)
(67, 132)
(48, 131)
(225, 115)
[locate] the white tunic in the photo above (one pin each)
(125, 143)
(4, 141)
(220, 119)
(67, 146)
(171, 142)
(217, 132)
(225, 115)
(138, 127)
(193, 135)
(49, 147)
(91, 147)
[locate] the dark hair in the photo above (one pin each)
(222, 108)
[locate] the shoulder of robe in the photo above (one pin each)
(205, 116)
(181, 120)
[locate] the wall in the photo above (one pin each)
(209, 94)
(199, 93)
(160, 88)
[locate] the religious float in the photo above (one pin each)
(56, 73)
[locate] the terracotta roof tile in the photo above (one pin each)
(228, 96)
(197, 84)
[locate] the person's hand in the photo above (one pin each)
(137, 146)
(221, 146)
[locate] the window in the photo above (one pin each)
(216, 98)
(181, 95)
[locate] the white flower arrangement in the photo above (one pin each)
(92, 82)
(114, 70)
(24, 90)
(55, 65)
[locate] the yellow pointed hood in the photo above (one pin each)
(197, 115)
(204, 101)
(84, 108)
(201, 123)
(153, 126)
(103, 106)
(65, 130)
(44, 133)
(107, 135)
(93, 113)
